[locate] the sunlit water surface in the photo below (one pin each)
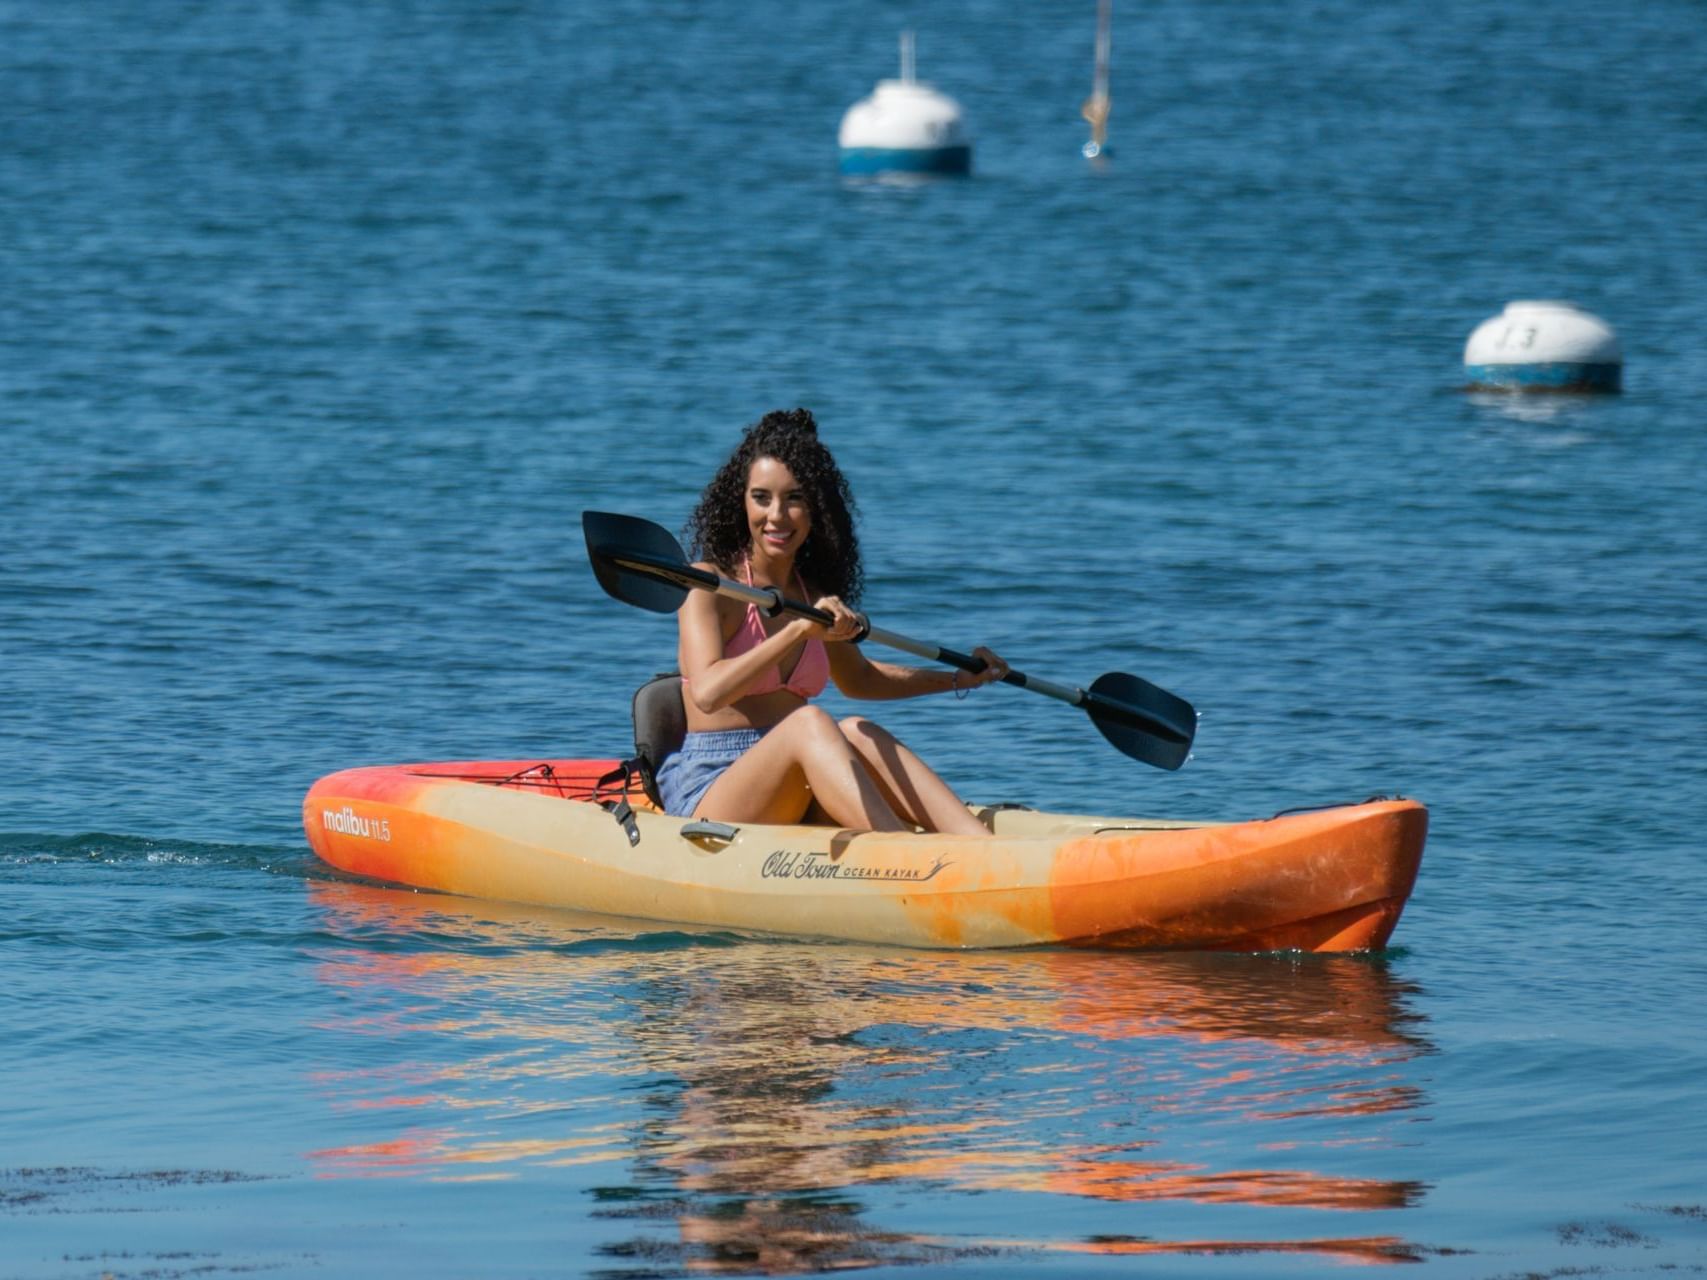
(323, 322)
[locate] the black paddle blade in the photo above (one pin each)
(1141, 720)
(639, 562)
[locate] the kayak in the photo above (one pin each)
(579, 834)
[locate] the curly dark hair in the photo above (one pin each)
(717, 530)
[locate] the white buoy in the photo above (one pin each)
(1543, 346)
(905, 126)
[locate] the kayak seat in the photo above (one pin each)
(660, 724)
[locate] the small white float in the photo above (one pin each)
(1543, 346)
(905, 127)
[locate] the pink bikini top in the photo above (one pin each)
(811, 670)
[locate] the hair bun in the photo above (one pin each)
(792, 420)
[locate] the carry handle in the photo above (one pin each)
(705, 829)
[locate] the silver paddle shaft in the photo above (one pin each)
(774, 602)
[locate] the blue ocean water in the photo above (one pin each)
(323, 321)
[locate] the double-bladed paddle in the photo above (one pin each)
(640, 563)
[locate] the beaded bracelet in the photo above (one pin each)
(959, 693)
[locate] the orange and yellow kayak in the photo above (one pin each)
(548, 833)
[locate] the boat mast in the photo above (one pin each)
(1097, 105)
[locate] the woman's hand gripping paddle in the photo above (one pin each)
(640, 563)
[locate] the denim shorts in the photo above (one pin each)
(685, 776)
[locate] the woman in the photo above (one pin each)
(778, 514)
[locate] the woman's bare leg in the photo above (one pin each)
(911, 787)
(804, 758)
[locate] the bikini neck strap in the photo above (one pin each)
(747, 572)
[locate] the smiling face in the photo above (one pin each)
(778, 516)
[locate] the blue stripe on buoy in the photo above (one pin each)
(948, 160)
(1570, 376)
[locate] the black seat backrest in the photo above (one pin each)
(660, 724)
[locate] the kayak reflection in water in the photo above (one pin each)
(778, 514)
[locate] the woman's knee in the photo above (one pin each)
(857, 729)
(810, 724)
